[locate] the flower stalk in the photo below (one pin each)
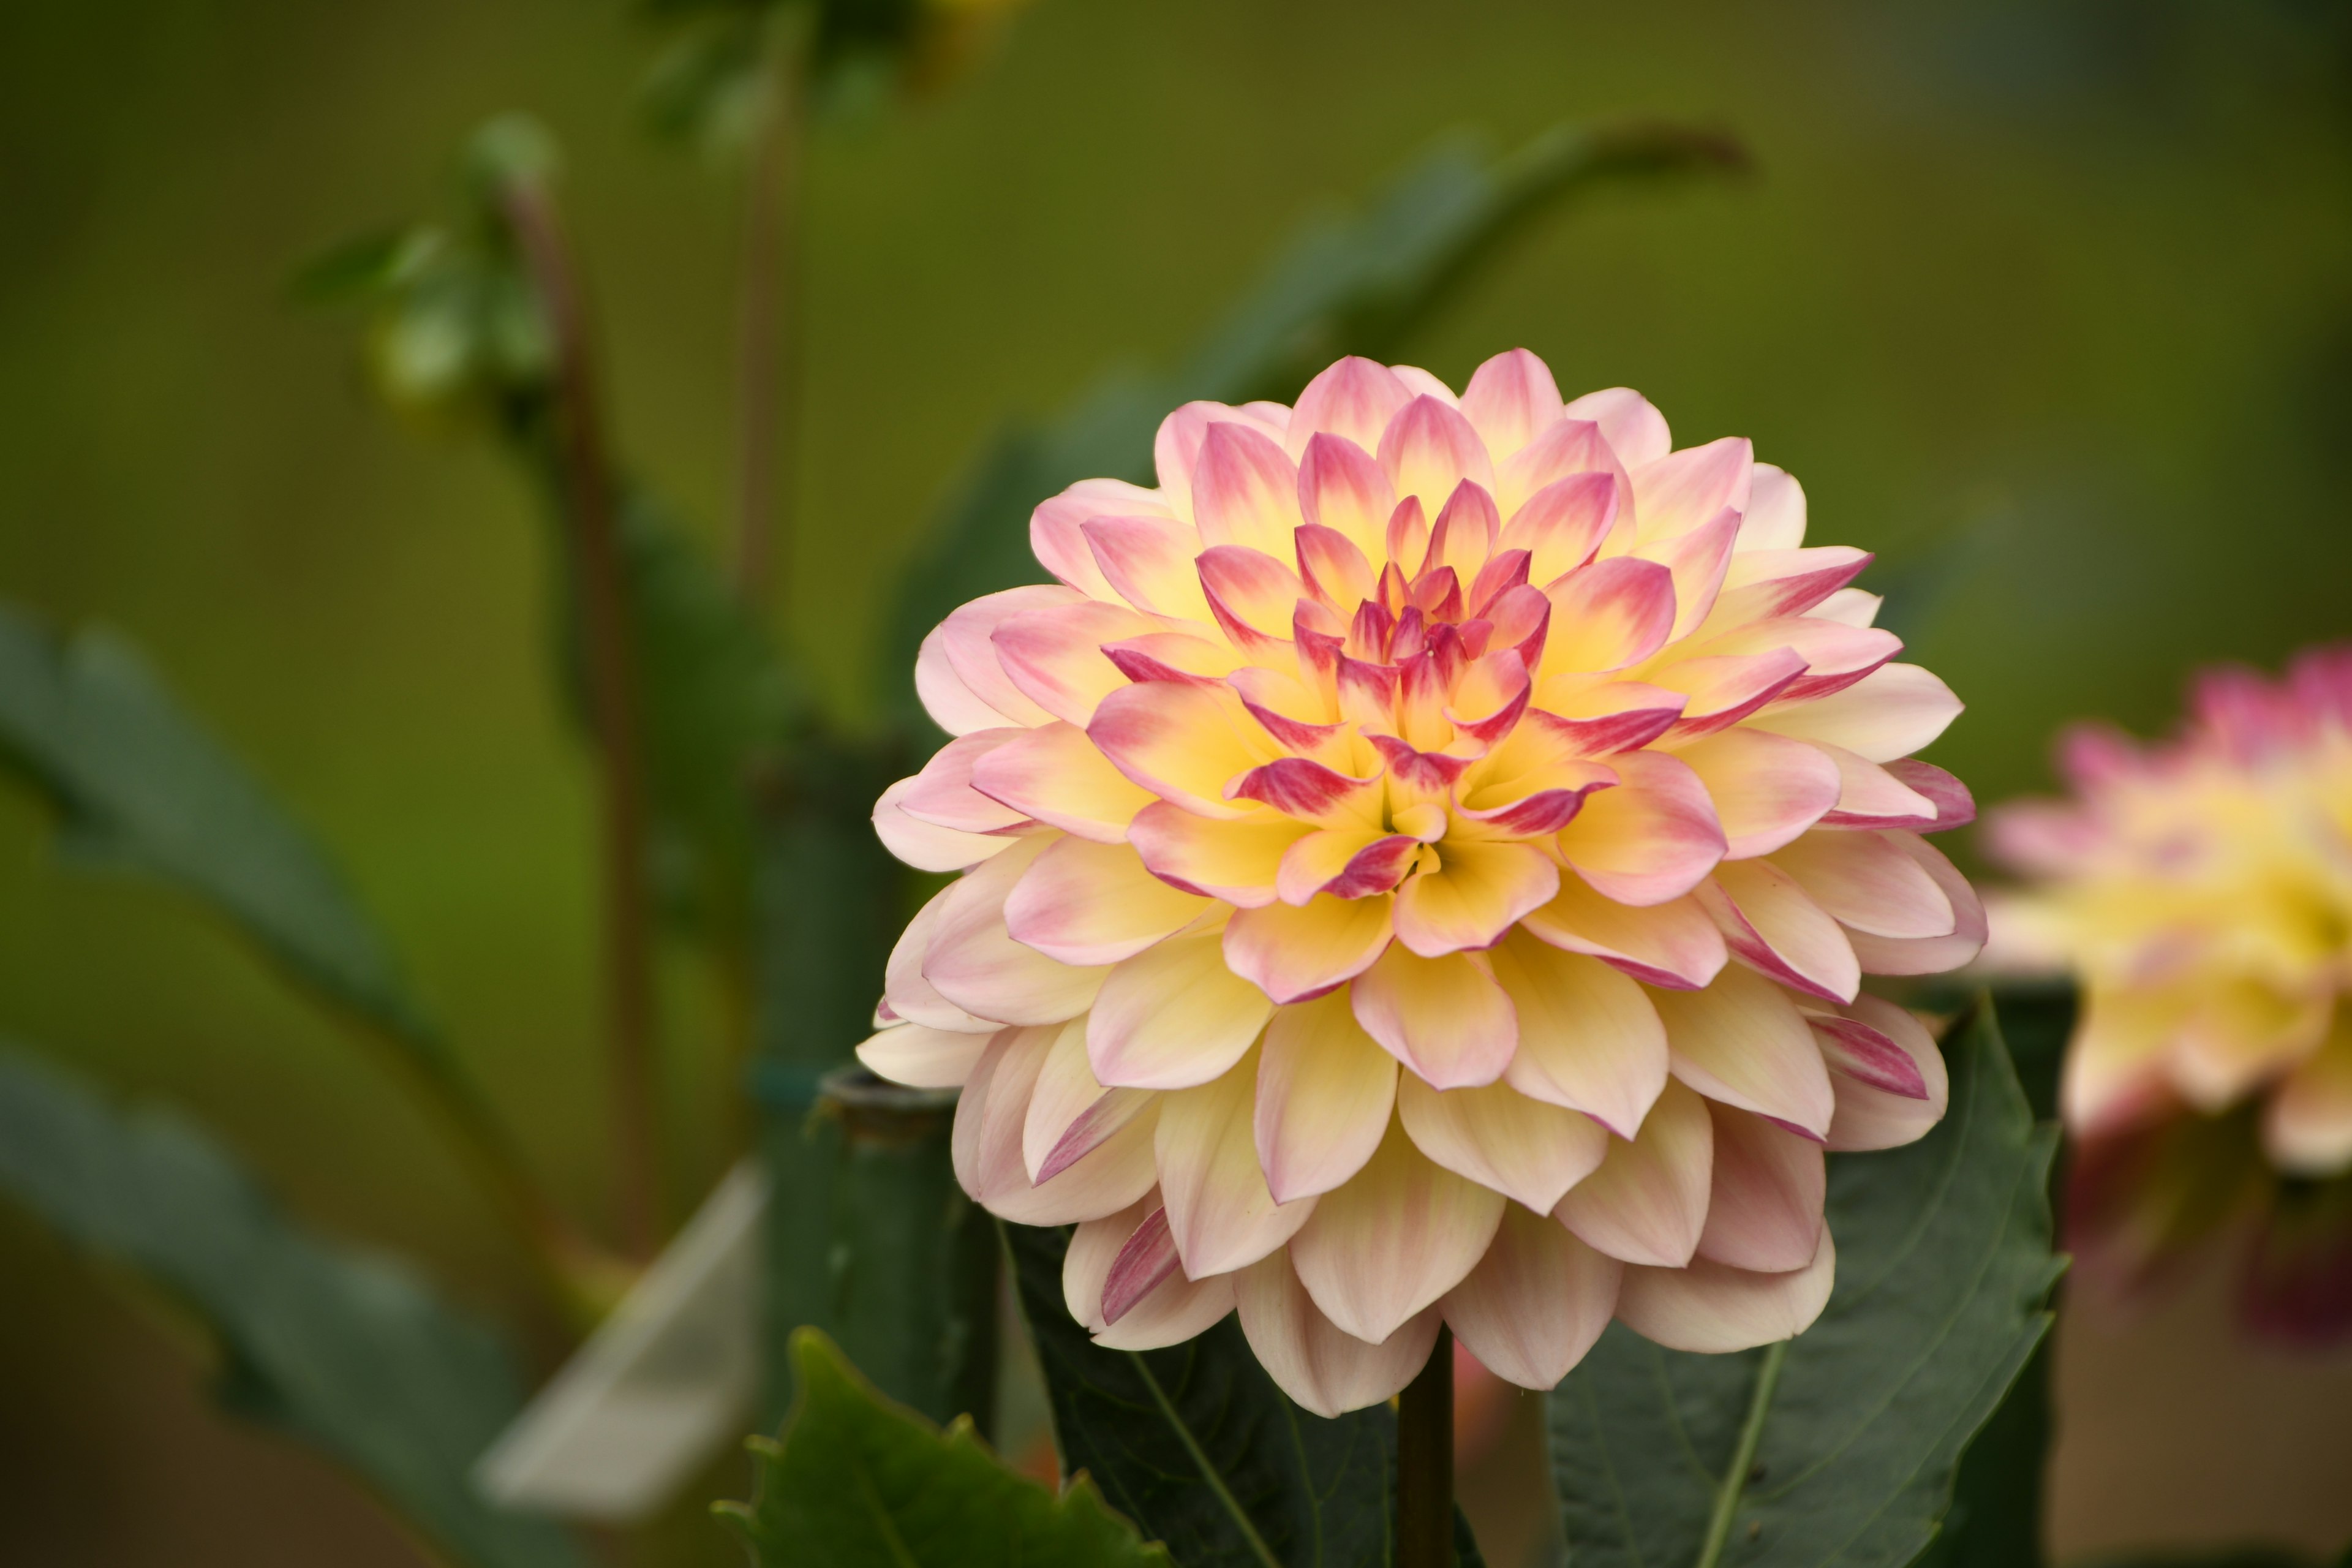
(609, 665)
(767, 341)
(1424, 1509)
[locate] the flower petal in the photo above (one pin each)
(1650, 839)
(1445, 1019)
(1087, 903)
(1680, 491)
(1866, 880)
(1173, 1309)
(1352, 401)
(926, 845)
(1891, 713)
(1589, 1038)
(985, 1145)
(1428, 448)
(1477, 893)
(1511, 400)
(2308, 1124)
(1402, 1233)
(1536, 1303)
(964, 643)
(1927, 955)
(1743, 1042)
(1499, 1138)
(1055, 654)
(1674, 944)
(1176, 448)
(974, 963)
(1293, 953)
(1245, 491)
(1219, 1209)
(1608, 614)
(1070, 1113)
(1764, 1212)
(1324, 1093)
(1054, 774)
(1240, 862)
(1342, 488)
(1174, 1016)
(1767, 789)
(1712, 1308)
(1183, 742)
(1056, 534)
(1773, 928)
(1647, 1202)
(1322, 1368)
(1562, 525)
(1871, 1116)
(1149, 562)
(1774, 518)
(1636, 431)
(1870, 795)
(905, 991)
(921, 1056)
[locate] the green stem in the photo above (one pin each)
(1743, 1458)
(1424, 1509)
(768, 336)
(609, 668)
(1258, 1548)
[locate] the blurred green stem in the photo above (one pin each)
(1743, 1458)
(608, 666)
(768, 346)
(1424, 1506)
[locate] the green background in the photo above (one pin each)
(2049, 304)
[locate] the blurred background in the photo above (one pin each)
(2049, 304)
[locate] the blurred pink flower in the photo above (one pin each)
(2201, 890)
(1357, 837)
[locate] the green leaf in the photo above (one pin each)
(1197, 1447)
(1839, 1447)
(858, 1482)
(1345, 285)
(141, 786)
(344, 1350)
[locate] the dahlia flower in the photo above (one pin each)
(1420, 862)
(2200, 891)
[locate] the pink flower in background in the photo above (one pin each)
(2200, 891)
(1421, 860)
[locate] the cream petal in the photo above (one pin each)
(1647, 1202)
(1774, 518)
(1866, 880)
(1055, 535)
(1445, 1017)
(1477, 893)
(1070, 1113)
(1094, 1245)
(1767, 789)
(1891, 713)
(1743, 1042)
(1174, 1016)
(1869, 1116)
(1764, 1212)
(1322, 1368)
(1324, 1092)
(1536, 1303)
(1087, 903)
(1403, 1232)
(975, 965)
(985, 1145)
(1525, 1149)
(1589, 1038)
(1295, 952)
(1149, 562)
(942, 793)
(1698, 560)
(1651, 838)
(905, 991)
(926, 845)
(1682, 491)
(1636, 431)
(921, 1056)
(1054, 774)
(1712, 1308)
(1774, 929)
(1674, 944)
(953, 706)
(1927, 955)
(1870, 795)
(1220, 1209)
(2307, 1123)
(1055, 654)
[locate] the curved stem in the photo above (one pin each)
(1743, 1458)
(1425, 1516)
(768, 337)
(609, 666)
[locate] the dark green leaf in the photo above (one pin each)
(1345, 285)
(346, 1351)
(1200, 1448)
(1944, 1264)
(141, 785)
(858, 1482)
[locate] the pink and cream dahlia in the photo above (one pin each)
(2199, 890)
(1358, 837)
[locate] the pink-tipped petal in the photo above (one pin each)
(1173, 1309)
(926, 845)
(1056, 534)
(1183, 742)
(1445, 1017)
(1236, 861)
(1511, 400)
(974, 963)
(1873, 1117)
(1721, 689)
(1087, 903)
(1252, 596)
(1397, 1236)
(1767, 789)
(1680, 491)
(921, 1056)
(1055, 775)
(1673, 944)
(1352, 401)
(1774, 929)
(1636, 431)
(1955, 806)
(1334, 567)
(1589, 1038)
(985, 1145)
(1296, 951)
(1609, 614)
(1148, 561)
(1323, 1369)
(1870, 795)
(1428, 448)
(1525, 1149)
(952, 705)
(1220, 1209)
(1324, 1093)
(1651, 839)
(1891, 713)
(1765, 1210)
(1477, 893)
(1647, 1202)
(1774, 518)
(1350, 862)
(1762, 583)
(1562, 525)
(906, 993)
(1245, 491)
(1713, 1309)
(1868, 882)
(1743, 1042)
(1536, 1303)
(1343, 489)
(1071, 1113)
(965, 640)
(1055, 654)
(1174, 1016)
(1176, 449)
(1933, 955)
